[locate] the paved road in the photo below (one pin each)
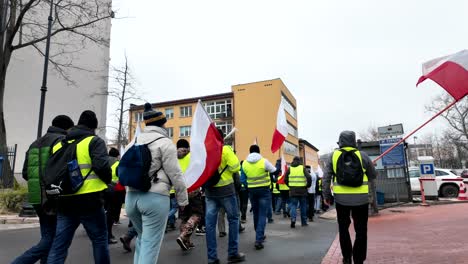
(284, 245)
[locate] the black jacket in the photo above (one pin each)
(100, 165)
(298, 191)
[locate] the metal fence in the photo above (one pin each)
(394, 184)
(7, 166)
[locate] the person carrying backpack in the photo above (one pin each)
(85, 206)
(148, 209)
(351, 171)
(33, 169)
(298, 179)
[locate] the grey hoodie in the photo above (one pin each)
(254, 157)
(348, 139)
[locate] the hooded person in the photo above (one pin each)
(351, 171)
(149, 211)
(33, 170)
(258, 172)
(86, 205)
(298, 179)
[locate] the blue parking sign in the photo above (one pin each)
(426, 168)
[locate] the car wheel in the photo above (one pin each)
(449, 191)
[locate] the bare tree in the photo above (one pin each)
(371, 134)
(23, 24)
(456, 117)
(123, 92)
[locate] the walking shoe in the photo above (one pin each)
(259, 245)
(243, 221)
(311, 219)
(112, 240)
(240, 257)
(270, 221)
(304, 224)
(285, 215)
(200, 232)
(126, 243)
(293, 224)
(222, 234)
(241, 229)
(214, 261)
(182, 244)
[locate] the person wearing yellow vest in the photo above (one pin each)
(113, 198)
(298, 180)
(85, 206)
(256, 170)
(350, 200)
(223, 195)
(192, 213)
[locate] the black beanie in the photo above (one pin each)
(113, 152)
(88, 119)
(254, 149)
(182, 143)
(62, 121)
(153, 118)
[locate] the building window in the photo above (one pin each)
(288, 106)
(186, 111)
(170, 131)
(219, 109)
(185, 131)
(292, 130)
(290, 149)
(170, 113)
(138, 116)
(226, 127)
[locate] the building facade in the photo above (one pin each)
(309, 154)
(251, 108)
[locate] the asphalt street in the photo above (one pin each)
(284, 245)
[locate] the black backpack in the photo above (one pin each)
(214, 179)
(133, 169)
(349, 171)
(62, 174)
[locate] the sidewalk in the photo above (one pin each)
(434, 234)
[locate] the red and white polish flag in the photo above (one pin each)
(284, 168)
(281, 131)
(450, 72)
(206, 147)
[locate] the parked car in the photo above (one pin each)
(464, 174)
(448, 183)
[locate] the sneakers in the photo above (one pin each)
(182, 244)
(270, 221)
(259, 246)
(293, 224)
(311, 219)
(240, 257)
(200, 231)
(305, 224)
(112, 240)
(241, 229)
(222, 234)
(243, 221)
(126, 243)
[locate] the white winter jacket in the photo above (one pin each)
(164, 156)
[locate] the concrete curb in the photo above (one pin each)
(13, 219)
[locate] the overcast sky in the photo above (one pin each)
(350, 64)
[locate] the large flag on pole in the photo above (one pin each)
(450, 72)
(206, 147)
(281, 131)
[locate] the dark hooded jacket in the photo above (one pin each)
(100, 165)
(348, 139)
(298, 191)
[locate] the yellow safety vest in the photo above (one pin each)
(320, 185)
(228, 157)
(282, 186)
(115, 178)
(274, 189)
(256, 174)
(340, 189)
(183, 163)
(297, 177)
(93, 183)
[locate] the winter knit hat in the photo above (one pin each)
(88, 119)
(113, 152)
(182, 143)
(62, 121)
(153, 118)
(254, 149)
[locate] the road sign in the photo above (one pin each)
(396, 157)
(392, 130)
(427, 169)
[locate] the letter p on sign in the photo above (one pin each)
(427, 168)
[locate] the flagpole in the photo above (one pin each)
(414, 131)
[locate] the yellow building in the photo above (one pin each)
(251, 108)
(309, 154)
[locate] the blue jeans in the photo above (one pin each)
(260, 198)
(95, 225)
(278, 204)
(148, 212)
(172, 212)
(41, 250)
(302, 201)
(213, 204)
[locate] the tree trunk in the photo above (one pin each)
(122, 100)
